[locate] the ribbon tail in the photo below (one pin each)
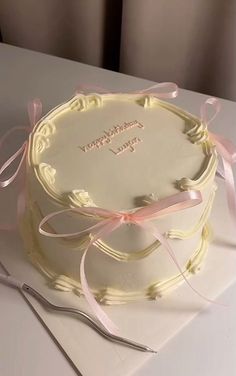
(94, 305)
(22, 150)
(230, 188)
(227, 152)
(7, 227)
(214, 103)
(220, 172)
(86, 89)
(34, 111)
(22, 196)
(21, 205)
(153, 230)
(11, 131)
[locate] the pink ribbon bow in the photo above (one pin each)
(34, 113)
(227, 152)
(110, 221)
(163, 90)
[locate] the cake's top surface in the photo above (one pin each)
(116, 151)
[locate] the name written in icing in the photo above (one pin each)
(127, 146)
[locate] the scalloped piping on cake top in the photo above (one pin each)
(197, 134)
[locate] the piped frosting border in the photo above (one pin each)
(45, 128)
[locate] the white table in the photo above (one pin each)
(205, 347)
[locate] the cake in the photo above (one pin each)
(119, 152)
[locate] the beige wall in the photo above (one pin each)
(191, 42)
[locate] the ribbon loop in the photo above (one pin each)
(34, 113)
(165, 90)
(224, 147)
(226, 151)
(214, 103)
(162, 90)
(171, 204)
(20, 151)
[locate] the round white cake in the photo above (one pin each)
(118, 152)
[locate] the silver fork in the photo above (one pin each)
(11, 281)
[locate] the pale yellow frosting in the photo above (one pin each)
(118, 151)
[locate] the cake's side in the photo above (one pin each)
(116, 283)
(129, 264)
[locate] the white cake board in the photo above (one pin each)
(152, 323)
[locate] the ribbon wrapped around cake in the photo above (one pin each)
(112, 220)
(109, 221)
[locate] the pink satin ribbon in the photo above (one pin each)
(227, 152)
(112, 220)
(34, 113)
(163, 90)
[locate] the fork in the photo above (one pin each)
(13, 282)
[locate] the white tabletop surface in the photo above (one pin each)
(205, 347)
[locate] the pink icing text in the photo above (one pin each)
(109, 134)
